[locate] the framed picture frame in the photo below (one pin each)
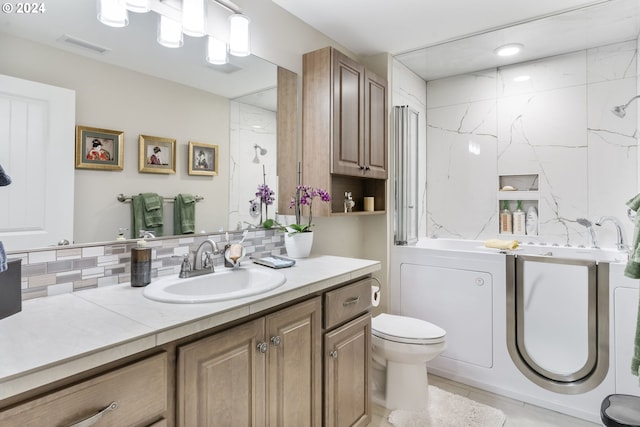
(156, 154)
(203, 159)
(100, 149)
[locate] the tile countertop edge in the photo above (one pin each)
(20, 381)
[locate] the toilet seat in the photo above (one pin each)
(407, 330)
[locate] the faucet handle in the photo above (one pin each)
(208, 259)
(185, 267)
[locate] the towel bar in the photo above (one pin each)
(122, 198)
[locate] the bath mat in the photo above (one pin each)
(446, 409)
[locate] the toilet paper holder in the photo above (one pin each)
(375, 293)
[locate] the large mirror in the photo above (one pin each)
(125, 81)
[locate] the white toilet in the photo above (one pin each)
(401, 348)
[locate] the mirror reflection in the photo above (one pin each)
(147, 89)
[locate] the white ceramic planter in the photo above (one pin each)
(299, 244)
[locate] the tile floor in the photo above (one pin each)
(518, 414)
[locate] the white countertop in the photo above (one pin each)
(58, 336)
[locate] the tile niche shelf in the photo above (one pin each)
(525, 189)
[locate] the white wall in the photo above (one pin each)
(558, 124)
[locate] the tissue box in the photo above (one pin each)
(10, 289)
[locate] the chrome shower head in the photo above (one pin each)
(584, 222)
(621, 110)
(260, 150)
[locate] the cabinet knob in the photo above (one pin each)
(276, 340)
(367, 168)
(333, 354)
(361, 167)
(262, 347)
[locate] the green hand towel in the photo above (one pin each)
(633, 270)
(184, 214)
(152, 209)
(137, 216)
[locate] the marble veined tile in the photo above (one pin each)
(545, 133)
(408, 87)
(543, 74)
(478, 86)
(461, 171)
(611, 62)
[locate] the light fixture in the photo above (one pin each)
(217, 52)
(190, 18)
(239, 35)
(169, 32)
(194, 18)
(621, 110)
(113, 13)
(509, 49)
(138, 6)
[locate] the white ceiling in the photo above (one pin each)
(438, 38)
(434, 38)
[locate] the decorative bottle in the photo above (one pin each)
(505, 219)
(519, 219)
(140, 264)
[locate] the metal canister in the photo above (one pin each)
(140, 266)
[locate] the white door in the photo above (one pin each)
(37, 150)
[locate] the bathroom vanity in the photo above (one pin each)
(113, 357)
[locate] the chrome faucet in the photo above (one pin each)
(621, 244)
(586, 223)
(146, 234)
(200, 267)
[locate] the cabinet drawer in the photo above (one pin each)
(346, 303)
(139, 391)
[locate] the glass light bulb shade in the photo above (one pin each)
(239, 35)
(169, 32)
(217, 52)
(509, 49)
(138, 6)
(113, 13)
(194, 18)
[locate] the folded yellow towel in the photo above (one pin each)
(501, 244)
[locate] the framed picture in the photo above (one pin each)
(156, 154)
(99, 148)
(203, 159)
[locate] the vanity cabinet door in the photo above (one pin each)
(375, 126)
(347, 355)
(221, 379)
(294, 368)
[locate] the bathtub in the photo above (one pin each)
(464, 287)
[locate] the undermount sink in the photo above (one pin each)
(219, 286)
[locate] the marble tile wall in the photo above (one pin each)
(556, 125)
(68, 269)
(250, 125)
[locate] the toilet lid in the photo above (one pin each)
(406, 329)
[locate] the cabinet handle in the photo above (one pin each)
(95, 418)
(276, 340)
(333, 354)
(351, 301)
(367, 168)
(262, 347)
(361, 167)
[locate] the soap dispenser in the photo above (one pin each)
(140, 264)
(505, 219)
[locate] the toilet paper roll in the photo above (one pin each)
(375, 296)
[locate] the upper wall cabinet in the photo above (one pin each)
(344, 130)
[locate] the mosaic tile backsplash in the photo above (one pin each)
(63, 269)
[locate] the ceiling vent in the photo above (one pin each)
(74, 41)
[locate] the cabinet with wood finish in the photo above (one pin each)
(345, 127)
(266, 372)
